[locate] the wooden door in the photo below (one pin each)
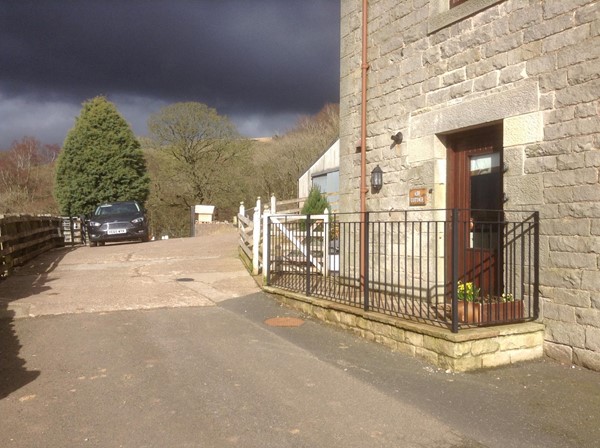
(475, 189)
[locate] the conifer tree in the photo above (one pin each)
(316, 203)
(101, 161)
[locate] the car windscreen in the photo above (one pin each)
(117, 209)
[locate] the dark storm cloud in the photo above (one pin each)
(247, 58)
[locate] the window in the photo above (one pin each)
(328, 183)
(443, 13)
(454, 3)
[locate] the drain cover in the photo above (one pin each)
(184, 279)
(284, 322)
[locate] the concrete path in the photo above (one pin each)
(128, 276)
(168, 344)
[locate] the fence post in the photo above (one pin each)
(241, 211)
(454, 270)
(71, 230)
(326, 229)
(256, 238)
(536, 263)
(366, 263)
(273, 204)
(266, 249)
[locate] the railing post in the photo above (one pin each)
(71, 230)
(536, 267)
(308, 243)
(454, 270)
(266, 250)
(256, 238)
(326, 228)
(273, 203)
(366, 263)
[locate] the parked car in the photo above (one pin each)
(118, 221)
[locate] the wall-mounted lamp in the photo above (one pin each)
(376, 178)
(397, 138)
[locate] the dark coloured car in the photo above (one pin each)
(118, 221)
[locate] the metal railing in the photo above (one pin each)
(452, 267)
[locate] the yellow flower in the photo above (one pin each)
(467, 291)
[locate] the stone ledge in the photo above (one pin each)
(469, 349)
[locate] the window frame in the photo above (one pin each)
(455, 3)
(441, 14)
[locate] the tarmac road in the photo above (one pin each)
(168, 344)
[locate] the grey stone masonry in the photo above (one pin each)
(533, 66)
(468, 350)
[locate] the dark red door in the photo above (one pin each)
(475, 189)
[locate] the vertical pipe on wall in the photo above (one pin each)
(363, 142)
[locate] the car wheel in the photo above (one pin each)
(145, 239)
(93, 244)
(101, 243)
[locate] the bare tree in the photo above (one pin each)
(26, 177)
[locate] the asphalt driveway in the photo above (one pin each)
(171, 344)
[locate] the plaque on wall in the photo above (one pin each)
(417, 196)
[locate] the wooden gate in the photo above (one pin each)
(251, 237)
(298, 243)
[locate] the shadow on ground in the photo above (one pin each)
(13, 370)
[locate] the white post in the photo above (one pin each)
(240, 222)
(256, 238)
(266, 248)
(273, 204)
(326, 221)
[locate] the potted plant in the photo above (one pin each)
(475, 308)
(468, 292)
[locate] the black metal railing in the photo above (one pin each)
(451, 267)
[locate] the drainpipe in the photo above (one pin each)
(363, 145)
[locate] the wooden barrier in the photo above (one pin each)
(73, 230)
(23, 237)
(252, 229)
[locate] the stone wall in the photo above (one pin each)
(467, 350)
(532, 65)
(212, 228)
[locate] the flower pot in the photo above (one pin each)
(487, 313)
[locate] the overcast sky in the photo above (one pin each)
(263, 63)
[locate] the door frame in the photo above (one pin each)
(481, 265)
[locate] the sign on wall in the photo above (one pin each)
(417, 196)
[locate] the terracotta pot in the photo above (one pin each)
(486, 313)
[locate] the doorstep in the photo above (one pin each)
(469, 349)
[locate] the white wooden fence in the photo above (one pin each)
(253, 231)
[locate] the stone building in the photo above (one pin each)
(510, 86)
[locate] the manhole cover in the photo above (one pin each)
(284, 322)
